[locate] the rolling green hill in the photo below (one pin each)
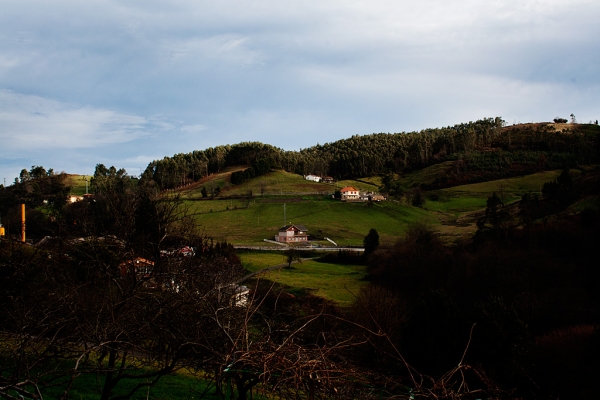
(249, 220)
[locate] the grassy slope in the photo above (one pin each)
(248, 221)
(331, 281)
(345, 223)
(77, 183)
(273, 183)
(473, 196)
(180, 385)
(426, 176)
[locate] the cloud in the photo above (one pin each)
(33, 123)
(155, 78)
(193, 128)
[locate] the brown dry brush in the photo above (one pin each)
(290, 367)
(278, 357)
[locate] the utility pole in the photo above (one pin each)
(2, 231)
(23, 223)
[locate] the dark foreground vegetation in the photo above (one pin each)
(522, 305)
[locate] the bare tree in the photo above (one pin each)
(120, 301)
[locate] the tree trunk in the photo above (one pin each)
(109, 382)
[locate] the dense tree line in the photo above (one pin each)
(483, 149)
(183, 168)
(111, 180)
(35, 188)
(43, 192)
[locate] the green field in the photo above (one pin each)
(335, 282)
(345, 223)
(364, 184)
(77, 183)
(426, 176)
(249, 220)
(514, 187)
(273, 183)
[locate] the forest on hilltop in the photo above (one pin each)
(485, 148)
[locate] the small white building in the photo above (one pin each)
(313, 178)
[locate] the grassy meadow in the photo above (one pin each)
(426, 176)
(511, 187)
(178, 385)
(345, 223)
(335, 282)
(273, 183)
(77, 183)
(249, 220)
(472, 197)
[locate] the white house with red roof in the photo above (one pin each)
(349, 193)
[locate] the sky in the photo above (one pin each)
(125, 82)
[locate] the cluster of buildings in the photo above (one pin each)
(316, 178)
(143, 270)
(350, 193)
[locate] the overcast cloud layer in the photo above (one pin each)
(126, 82)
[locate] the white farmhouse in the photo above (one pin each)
(313, 178)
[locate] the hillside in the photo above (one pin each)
(239, 218)
(471, 152)
(454, 169)
(487, 246)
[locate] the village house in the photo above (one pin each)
(350, 194)
(140, 266)
(292, 234)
